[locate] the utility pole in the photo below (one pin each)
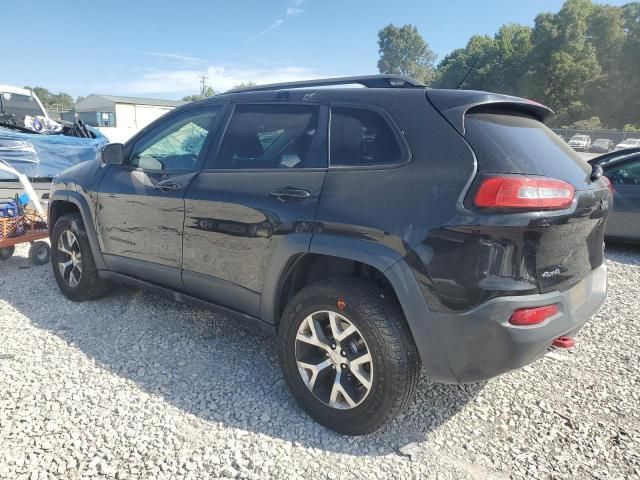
(203, 84)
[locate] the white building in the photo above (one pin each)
(118, 118)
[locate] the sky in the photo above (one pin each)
(160, 48)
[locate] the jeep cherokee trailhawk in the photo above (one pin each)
(375, 231)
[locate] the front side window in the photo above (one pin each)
(176, 144)
(270, 136)
(627, 174)
(361, 137)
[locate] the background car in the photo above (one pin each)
(623, 171)
(602, 145)
(628, 143)
(580, 142)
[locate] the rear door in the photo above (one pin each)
(259, 187)
(140, 212)
(624, 221)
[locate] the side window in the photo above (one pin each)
(627, 174)
(270, 136)
(175, 144)
(361, 137)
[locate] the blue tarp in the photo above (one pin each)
(44, 156)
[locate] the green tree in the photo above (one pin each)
(53, 101)
(244, 85)
(563, 61)
(403, 51)
(208, 92)
(592, 123)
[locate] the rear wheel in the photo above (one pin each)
(347, 355)
(72, 260)
(6, 253)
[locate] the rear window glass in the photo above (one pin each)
(361, 137)
(507, 142)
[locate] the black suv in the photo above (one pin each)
(372, 230)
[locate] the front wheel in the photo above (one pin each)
(347, 355)
(72, 260)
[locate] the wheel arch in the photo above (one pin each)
(338, 257)
(64, 202)
(294, 265)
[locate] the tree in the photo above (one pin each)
(584, 62)
(403, 51)
(592, 123)
(244, 85)
(53, 101)
(208, 92)
(563, 61)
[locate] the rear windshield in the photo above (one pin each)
(508, 142)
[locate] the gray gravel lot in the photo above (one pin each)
(135, 386)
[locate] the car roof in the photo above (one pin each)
(615, 157)
(16, 90)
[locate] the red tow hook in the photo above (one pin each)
(564, 342)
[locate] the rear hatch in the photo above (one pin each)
(569, 243)
(559, 246)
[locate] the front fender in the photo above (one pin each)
(82, 205)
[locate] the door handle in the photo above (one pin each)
(290, 194)
(167, 186)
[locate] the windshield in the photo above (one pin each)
(19, 106)
(632, 141)
(601, 141)
(579, 137)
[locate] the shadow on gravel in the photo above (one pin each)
(205, 364)
(627, 253)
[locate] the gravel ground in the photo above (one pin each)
(135, 386)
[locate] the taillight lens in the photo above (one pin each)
(522, 192)
(533, 316)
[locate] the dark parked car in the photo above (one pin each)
(622, 168)
(373, 230)
(602, 145)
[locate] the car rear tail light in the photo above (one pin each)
(522, 192)
(608, 183)
(533, 316)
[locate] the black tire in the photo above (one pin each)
(378, 318)
(6, 253)
(40, 253)
(90, 285)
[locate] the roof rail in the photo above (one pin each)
(369, 81)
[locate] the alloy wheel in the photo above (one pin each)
(70, 258)
(334, 360)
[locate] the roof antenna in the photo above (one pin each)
(468, 72)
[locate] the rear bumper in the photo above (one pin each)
(481, 343)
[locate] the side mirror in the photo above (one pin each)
(113, 153)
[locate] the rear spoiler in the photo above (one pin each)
(455, 104)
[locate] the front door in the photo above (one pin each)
(261, 185)
(624, 220)
(140, 212)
